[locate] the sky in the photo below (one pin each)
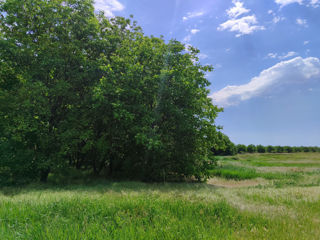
(266, 59)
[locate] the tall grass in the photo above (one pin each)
(285, 208)
(242, 173)
(102, 213)
(137, 211)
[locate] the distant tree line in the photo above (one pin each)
(274, 149)
(82, 91)
(226, 147)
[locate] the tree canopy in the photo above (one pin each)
(79, 90)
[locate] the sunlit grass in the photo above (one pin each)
(236, 172)
(286, 205)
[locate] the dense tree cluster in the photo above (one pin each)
(223, 146)
(79, 90)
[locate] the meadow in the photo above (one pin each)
(250, 196)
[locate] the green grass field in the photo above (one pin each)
(258, 196)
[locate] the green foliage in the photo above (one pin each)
(270, 149)
(17, 165)
(79, 90)
(251, 148)
(241, 148)
(287, 149)
(223, 146)
(261, 149)
(281, 149)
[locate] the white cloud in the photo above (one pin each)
(315, 3)
(192, 15)
(283, 56)
(202, 56)
(237, 10)
(194, 31)
(302, 22)
(311, 3)
(306, 42)
(108, 6)
(289, 54)
(244, 25)
(187, 38)
(287, 2)
(294, 71)
(272, 55)
(277, 19)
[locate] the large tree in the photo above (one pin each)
(79, 90)
(47, 46)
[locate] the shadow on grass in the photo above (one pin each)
(99, 185)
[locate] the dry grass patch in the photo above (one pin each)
(278, 196)
(221, 182)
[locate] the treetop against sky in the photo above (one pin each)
(265, 56)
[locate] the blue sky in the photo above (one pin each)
(265, 54)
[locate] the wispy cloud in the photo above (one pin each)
(296, 70)
(314, 3)
(276, 18)
(283, 3)
(288, 55)
(302, 22)
(306, 42)
(202, 56)
(191, 32)
(311, 3)
(244, 25)
(282, 56)
(187, 38)
(191, 15)
(237, 10)
(272, 55)
(108, 6)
